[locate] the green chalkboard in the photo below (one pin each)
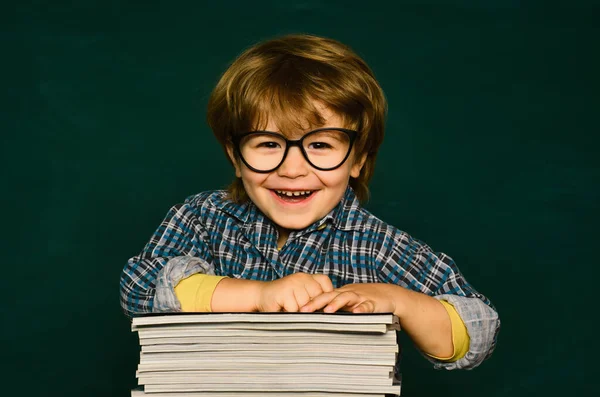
(490, 155)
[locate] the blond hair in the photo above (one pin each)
(281, 79)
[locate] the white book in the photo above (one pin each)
(248, 380)
(265, 355)
(201, 330)
(307, 370)
(290, 348)
(184, 377)
(175, 363)
(274, 386)
(141, 393)
(318, 352)
(388, 338)
(279, 317)
(375, 328)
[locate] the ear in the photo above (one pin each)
(236, 164)
(357, 166)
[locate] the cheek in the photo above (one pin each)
(335, 179)
(251, 179)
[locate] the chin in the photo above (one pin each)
(298, 225)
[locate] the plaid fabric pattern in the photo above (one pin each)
(212, 235)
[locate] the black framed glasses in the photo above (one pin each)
(324, 148)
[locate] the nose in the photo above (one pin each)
(294, 165)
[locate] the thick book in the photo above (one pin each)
(291, 348)
(274, 385)
(140, 393)
(270, 354)
(282, 338)
(267, 317)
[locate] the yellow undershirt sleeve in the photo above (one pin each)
(195, 292)
(460, 336)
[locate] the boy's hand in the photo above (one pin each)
(292, 292)
(356, 298)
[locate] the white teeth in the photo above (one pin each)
(293, 194)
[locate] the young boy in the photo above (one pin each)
(301, 119)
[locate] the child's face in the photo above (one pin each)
(294, 175)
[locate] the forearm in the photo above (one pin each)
(423, 319)
(289, 293)
(436, 275)
(236, 295)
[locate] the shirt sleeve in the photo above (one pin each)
(176, 250)
(413, 265)
(460, 336)
(195, 292)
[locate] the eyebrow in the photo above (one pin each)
(289, 136)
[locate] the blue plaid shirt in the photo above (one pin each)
(212, 235)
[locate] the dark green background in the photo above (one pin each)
(491, 155)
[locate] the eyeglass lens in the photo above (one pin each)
(323, 149)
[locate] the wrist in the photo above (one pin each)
(400, 298)
(255, 295)
(391, 293)
(236, 295)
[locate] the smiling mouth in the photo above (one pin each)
(294, 196)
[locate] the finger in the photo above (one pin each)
(290, 306)
(344, 301)
(324, 281)
(313, 288)
(319, 302)
(364, 307)
(275, 306)
(302, 296)
(289, 303)
(284, 302)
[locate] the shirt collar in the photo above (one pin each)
(347, 215)
(240, 211)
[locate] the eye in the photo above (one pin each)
(319, 145)
(269, 145)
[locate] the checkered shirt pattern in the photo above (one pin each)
(212, 235)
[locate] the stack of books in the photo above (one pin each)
(267, 354)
